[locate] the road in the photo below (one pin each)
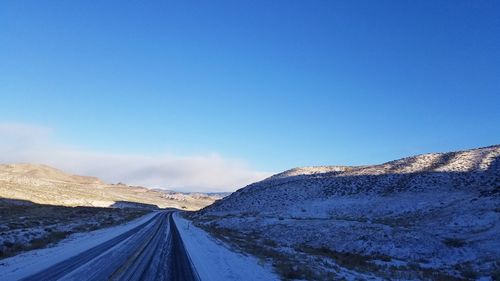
(151, 251)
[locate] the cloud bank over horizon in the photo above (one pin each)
(209, 172)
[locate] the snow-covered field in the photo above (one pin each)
(215, 261)
(25, 226)
(432, 216)
(28, 263)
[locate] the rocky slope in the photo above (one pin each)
(42, 184)
(432, 216)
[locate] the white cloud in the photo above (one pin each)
(204, 173)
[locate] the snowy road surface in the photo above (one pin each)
(158, 246)
(151, 250)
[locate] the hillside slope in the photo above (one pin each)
(429, 216)
(41, 205)
(42, 184)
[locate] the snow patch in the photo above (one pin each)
(213, 260)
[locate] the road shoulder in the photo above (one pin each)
(28, 263)
(215, 261)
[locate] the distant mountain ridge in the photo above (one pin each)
(43, 184)
(42, 172)
(313, 170)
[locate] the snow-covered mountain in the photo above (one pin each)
(429, 216)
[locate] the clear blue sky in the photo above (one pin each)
(276, 83)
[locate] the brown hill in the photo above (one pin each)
(43, 184)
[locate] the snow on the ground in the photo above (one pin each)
(215, 261)
(436, 211)
(28, 263)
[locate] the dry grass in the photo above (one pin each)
(266, 250)
(313, 263)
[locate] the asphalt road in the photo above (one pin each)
(152, 251)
